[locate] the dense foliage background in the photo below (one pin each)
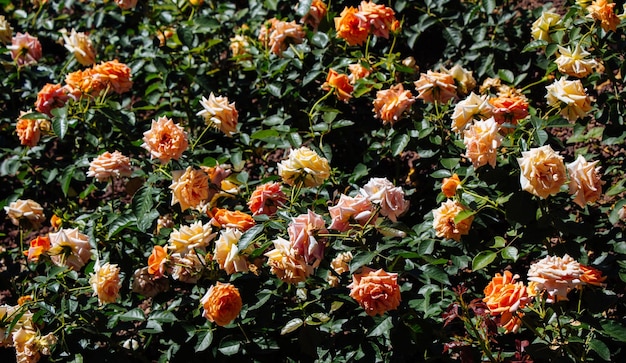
(180, 51)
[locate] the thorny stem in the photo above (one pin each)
(484, 343)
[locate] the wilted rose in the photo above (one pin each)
(6, 32)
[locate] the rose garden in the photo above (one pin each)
(197, 180)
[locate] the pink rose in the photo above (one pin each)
(303, 231)
(25, 49)
(390, 198)
(349, 210)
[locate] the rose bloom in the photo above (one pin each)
(188, 268)
(266, 199)
(115, 75)
(107, 166)
(51, 96)
(352, 26)
(316, 13)
(227, 253)
(357, 71)
(571, 97)
(390, 198)
(216, 174)
(339, 264)
(126, 4)
(463, 78)
(80, 45)
(380, 18)
(575, 63)
(304, 165)
(603, 11)
(481, 142)
(450, 185)
(555, 275)
(28, 209)
(285, 264)
(350, 210)
(148, 285)
(391, 103)
(376, 291)
(38, 245)
(25, 49)
(56, 221)
(435, 87)
(157, 261)
(540, 29)
(584, 181)
(443, 220)
(508, 108)
(189, 238)
(239, 46)
(219, 113)
(276, 34)
(28, 131)
(340, 84)
(542, 171)
(222, 303)
(70, 248)
(84, 82)
(165, 140)
(303, 234)
(504, 296)
(474, 106)
(591, 276)
(6, 32)
(105, 282)
(224, 218)
(189, 187)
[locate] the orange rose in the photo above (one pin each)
(266, 199)
(38, 246)
(509, 108)
(376, 291)
(357, 71)
(116, 75)
(28, 131)
(316, 13)
(340, 83)
(51, 96)
(591, 276)
(224, 218)
(603, 11)
(190, 188)
(157, 260)
(503, 296)
(450, 185)
(391, 103)
(352, 26)
(56, 221)
(222, 303)
(165, 140)
(84, 82)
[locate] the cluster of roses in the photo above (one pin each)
(18, 330)
(550, 278)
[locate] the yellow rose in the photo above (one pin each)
(571, 97)
(575, 63)
(304, 165)
(542, 171)
(540, 29)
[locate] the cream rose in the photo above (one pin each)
(80, 45)
(306, 166)
(189, 238)
(584, 181)
(28, 209)
(474, 106)
(482, 140)
(105, 282)
(227, 253)
(542, 171)
(571, 97)
(189, 187)
(575, 63)
(556, 276)
(6, 32)
(220, 114)
(70, 248)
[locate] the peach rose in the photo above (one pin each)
(28, 131)
(603, 11)
(190, 238)
(239, 46)
(306, 166)
(217, 175)
(391, 103)
(50, 97)
(350, 210)
(463, 78)
(352, 26)
(224, 218)
(190, 187)
(29, 209)
(126, 4)
(340, 263)
(157, 261)
(444, 224)
(277, 34)
(389, 197)
(570, 97)
(481, 142)
(556, 276)
(285, 264)
(6, 32)
(80, 45)
(219, 113)
(316, 13)
(542, 27)
(376, 291)
(591, 276)
(472, 107)
(84, 82)
(380, 18)
(109, 165)
(542, 171)
(25, 49)
(115, 75)
(222, 303)
(340, 84)
(70, 248)
(509, 108)
(435, 87)
(266, 199)
(303, 234)
(105, 282)
(227, 253)
(450, 185)
(584, 181)
(575, 63)
(357, 71)
(165, 140)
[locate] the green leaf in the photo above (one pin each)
(462, 215)
(506, 75)
(120, 223)
(143, 207)
(291, 326)
(483, 259)
(399, 143)
(248, 237)
(381, 328)
(204, 341)
(163, 317)
(541, 136)
(498, 242)
(60, 123)
(264, 134)
(133, 315)
(599, 347)
(510, 253)
(614, 330)
(360, 259)
(436, 273)
(439, 174)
